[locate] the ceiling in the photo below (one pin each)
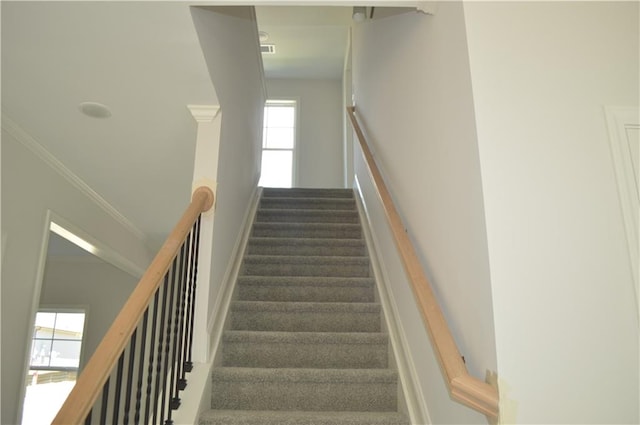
(144, 61)
(310, 41)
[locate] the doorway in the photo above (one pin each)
(80, 296)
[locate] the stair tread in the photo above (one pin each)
(328, 225)
(308, 230)
(306, 192)
(305, 259)
(353, 338)
(289, 306)
(309, 202)
(301, 375)
(277, 215)
(289, 211)
(305, 281)
(305, 241)
(269, 417)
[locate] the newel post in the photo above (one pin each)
(205, 170)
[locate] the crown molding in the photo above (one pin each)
(11, 127)
(204, 113)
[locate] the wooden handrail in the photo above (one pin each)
(463, 387)
(90, 383)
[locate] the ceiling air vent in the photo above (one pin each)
(268, 49)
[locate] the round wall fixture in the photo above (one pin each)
(94, 110)
(263, 36)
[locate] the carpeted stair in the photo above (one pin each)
(304, 343)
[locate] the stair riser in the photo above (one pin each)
(307, 193)
(337, 270)
(261, 417)
(284, 231)
(305, 294)
(291, 249)
(305, 321)
(257, 395)
(307, 216)
(308, 204)
(296, 355)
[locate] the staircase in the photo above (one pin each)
(305, 342)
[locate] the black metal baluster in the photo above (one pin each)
(154, 320)
(132, 359)
(177, 331)
(194, 277)
(105, 402)
(168, 347)
(159, 355)
(177, 345)
(143, 343)
(187, 320)
(116, 401)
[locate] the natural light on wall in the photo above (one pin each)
(278, 143)
(61, 231)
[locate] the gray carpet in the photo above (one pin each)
(305, 344)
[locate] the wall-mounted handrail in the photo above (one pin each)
(175, 257)
(463, 387)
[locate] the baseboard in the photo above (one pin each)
(216, 322)
(414, 397)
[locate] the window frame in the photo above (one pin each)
(56, 310)
(291, 102)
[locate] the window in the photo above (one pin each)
(278, 143)
(57, 339)
(53, 364)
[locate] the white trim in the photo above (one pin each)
(30, 143)
(619, 120)
(263, 80)
(204, 113)
(35, 302)
(414, 397)
(99, 249)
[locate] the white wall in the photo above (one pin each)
(90, 283)
(29, 188)
(229, 41)
(319, 148)
(413, 96)
(566, 324)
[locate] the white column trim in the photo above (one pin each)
(204, 113)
